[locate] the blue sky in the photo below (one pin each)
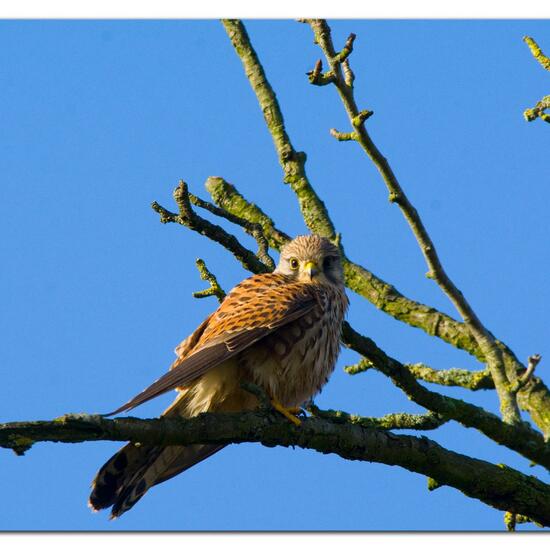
(100, 118)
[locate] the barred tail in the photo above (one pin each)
(128, 474)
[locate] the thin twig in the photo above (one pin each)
(462, 378)
(192, 220)
(492, 353)
(538, 111)
(393, 421)
(532, 363)
(253, 229)
(537, 52)
(470, 380)
(206, 275)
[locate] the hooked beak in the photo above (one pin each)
(311, 269)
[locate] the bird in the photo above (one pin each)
(279, 331)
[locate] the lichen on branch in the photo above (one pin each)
(206, 275)
(496, 485)
(189, 218)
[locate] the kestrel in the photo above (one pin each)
(280, 331)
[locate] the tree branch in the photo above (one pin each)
(537, 52)
(393, 421)
(538, 111)
(229, 199)
(253, 229)
(496, 485)
(479, 380)
(190, 219)
(518, 437)
(214, 289)
(293, 162)
(485, 340)
(534, 398)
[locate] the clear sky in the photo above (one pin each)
(100, 118)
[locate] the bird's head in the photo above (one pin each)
(311, 258)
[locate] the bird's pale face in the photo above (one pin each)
(311, 258)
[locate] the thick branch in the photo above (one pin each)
(498, 486)
(230, 200)
(519, 437)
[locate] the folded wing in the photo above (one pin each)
(254, 308)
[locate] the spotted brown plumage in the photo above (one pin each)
(278, 330)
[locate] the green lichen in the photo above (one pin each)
(20, 444)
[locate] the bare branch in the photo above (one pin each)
(518, 437)
(534, 397)
(215, 289)
(532, 363)
(346, 50)
(190, 219)
(318, 78)
(511, 520)
(393, 421)
(538, 111)
(293, 162)
(480, 380)
(537, 52)
(496, 485)
(343, 136)
(253, 229)
(492, 353)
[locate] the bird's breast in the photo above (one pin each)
(293, 363)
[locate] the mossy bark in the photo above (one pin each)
(496, 485)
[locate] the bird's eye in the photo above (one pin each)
(293, 263)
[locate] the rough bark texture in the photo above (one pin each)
(496, 485)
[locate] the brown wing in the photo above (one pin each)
(254, 308)
(183, 349)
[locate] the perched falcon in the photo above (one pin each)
(280, 331)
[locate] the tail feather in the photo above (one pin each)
(127, 476)
(193, 454)
(117, 472)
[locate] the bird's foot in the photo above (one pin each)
(289, 413)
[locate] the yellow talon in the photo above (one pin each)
(287, 412)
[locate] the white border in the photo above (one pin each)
(164, 9)
(268, 541)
